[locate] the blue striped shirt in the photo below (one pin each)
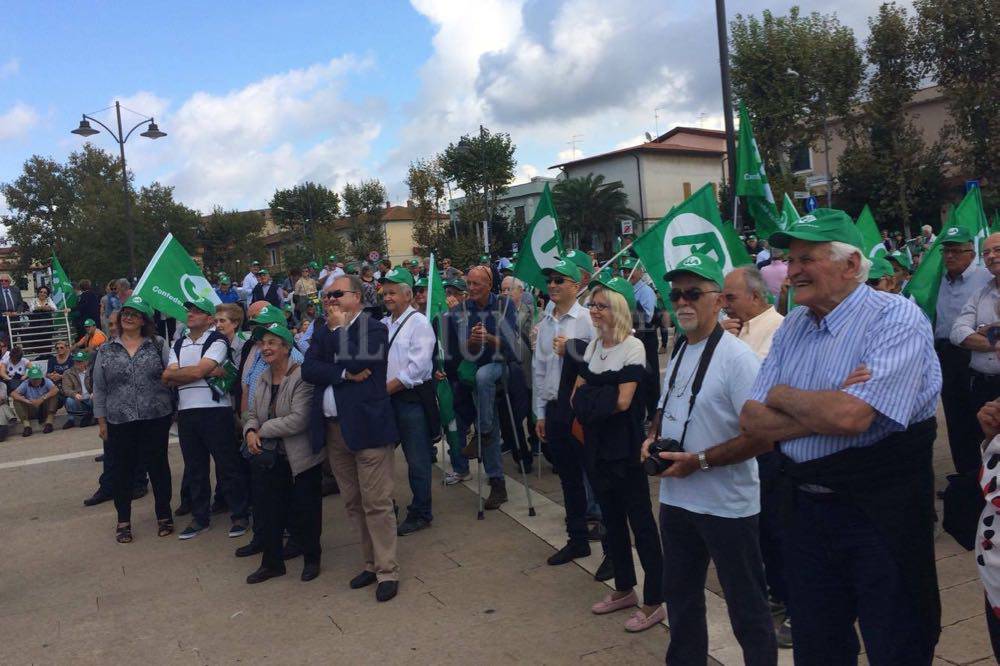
(887, 333)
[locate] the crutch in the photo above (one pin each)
(479, 453)
(516, 446)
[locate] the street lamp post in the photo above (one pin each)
(152, 132)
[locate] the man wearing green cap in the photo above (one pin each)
(455, 292)
(882, 276)
(709, 512)
(92, 339)
(78, 387)
(330, 272)
(849, 390)
(584, 262)
(962, 278)
(901, 269)
(35, 398)
(266, 290)
(250, 280)
(225, 291)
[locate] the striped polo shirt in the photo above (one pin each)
(885, 332)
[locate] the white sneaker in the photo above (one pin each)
(452, 478)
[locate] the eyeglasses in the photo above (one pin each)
(987, 251)
(600, 307)
(689, 295)
(555, 279)
(131, 314)
(337, 293)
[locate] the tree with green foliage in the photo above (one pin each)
(792, 72)
(363, 206)
(886, 163)
(230, 241)
(481, 165)
(589, 209)
(427, 191)
(961, 43)
(304, 210)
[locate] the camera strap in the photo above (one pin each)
(699, 377)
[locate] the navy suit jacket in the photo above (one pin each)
(367, 419)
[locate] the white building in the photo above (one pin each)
(518, 203)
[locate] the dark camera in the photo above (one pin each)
(654, 464)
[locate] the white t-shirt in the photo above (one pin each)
(18, 368)
(627, 352)
(198, 394)
(333, 275)
(729, 491)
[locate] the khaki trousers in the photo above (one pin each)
(365, 478)
(45, 413)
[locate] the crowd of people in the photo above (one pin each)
(792, 436)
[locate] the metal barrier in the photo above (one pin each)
(37, 332)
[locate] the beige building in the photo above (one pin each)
(660, 173)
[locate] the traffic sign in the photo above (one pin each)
(373, 256)
(969, 184)
(514, 247)
(817, 180)
(811, 204)
(801, 195)
(627, 227)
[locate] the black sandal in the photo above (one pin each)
(166, 526)
(124, 534)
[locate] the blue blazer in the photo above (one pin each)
(366, 416)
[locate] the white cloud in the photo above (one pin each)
(17, 121)
(10, 67)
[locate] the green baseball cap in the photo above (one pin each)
(617, 285)
(89, 322)
(269, 315)
(288, 307)
(880, 268)
(81, 356)
(566, 268)
(203, 304)
(581, 259)
(457, 283)
(484, 259)
(224, 280)
(823, 225)
(274, 328)
(332, 259)
(411, 262)
(628, 263)
(399, 276)
(255, 263)
(34, 372)
(901, 259)
(137, 303)
(313, 265)
(263, 271)
(422, 283)
(956, 235)
(698, 264)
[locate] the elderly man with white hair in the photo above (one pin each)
(749, 316)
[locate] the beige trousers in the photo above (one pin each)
(365, 478)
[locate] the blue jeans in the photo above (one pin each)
(77, 409)
(416, 443)
(487, 423)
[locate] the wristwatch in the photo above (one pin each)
(703, 461)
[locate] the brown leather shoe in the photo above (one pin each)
(471, 449)
(498, 494)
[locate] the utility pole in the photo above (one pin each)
(727, 96)
(573, 140)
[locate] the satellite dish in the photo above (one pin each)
(649, 137)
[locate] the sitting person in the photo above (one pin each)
(78, 388)
(13, 366)
(93, 338)
(57, 364)
(35, 398)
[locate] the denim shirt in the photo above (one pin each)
(128, 388)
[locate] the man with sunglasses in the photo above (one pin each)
(351, 415)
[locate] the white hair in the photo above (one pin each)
(927, 228)
(842, 252)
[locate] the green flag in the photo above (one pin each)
(62, 289)
(542, 245)
(789, 215)
(751, 181)
(923, 286)
(693, 226)
(171, 279)
(995, 226)
(871, 238)
(436, 307)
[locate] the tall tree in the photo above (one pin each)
(158, 215)
(962, 45)
(792, 72)
(363, 206)
(40, 203)
(427, 190)
(886, 158)
(230, 240)
(482, 165)
(589, 208)
(304, 210)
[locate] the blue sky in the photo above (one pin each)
(260, 95)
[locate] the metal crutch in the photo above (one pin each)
(479, 452)
(520, 457)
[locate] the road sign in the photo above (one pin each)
(801, 195)
(811, 204)
(513, 247)
(969, 184)
(817, 180)
(373, 256)
(627, 228)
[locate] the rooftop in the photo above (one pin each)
(691, 141)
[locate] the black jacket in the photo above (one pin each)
(273, 296)
(609, 436)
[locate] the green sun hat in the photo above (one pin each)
(34, 372)
(274, 329)
(901, 259)
(956, 235)
(399, 276)
(458, 284)
(565, 268)
(823, 225)
(617, 285)
(880, 268)
(581, 259)
(81, 356)
(698, 264)
(137, 303)
(422, 283)
(89, 322)
(203, 304)
(269, 315)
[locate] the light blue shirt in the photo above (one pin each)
(646, 298)
(306, 338)
(887, 333)
(953, 294)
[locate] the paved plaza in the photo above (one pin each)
(472, 592)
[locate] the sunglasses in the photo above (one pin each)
(337, 293)
(555, 279)
(689, 295)
(600, 307)
(874, 282)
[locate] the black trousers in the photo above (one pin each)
(956, 398)
(106, 482)
(772, 527)
(208, 433)
(984, 389)
(567, 455)
(140, 447)
(622, 490)
(292, 502)
(689, 540)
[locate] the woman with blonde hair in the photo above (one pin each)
(608, 404)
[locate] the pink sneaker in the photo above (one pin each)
(639, 622)
(609, 604)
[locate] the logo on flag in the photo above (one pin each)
(689, 233)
